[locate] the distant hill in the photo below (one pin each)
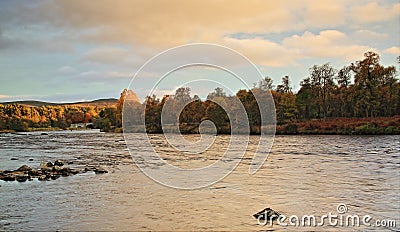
(109, 102)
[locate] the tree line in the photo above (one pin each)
(363, 89)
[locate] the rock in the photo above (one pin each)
(13, 158)
(55, 176)
(267, 214)
(42, 178)
(22, 178)
(49, 164)
(31, 159)
(24, 168)
(8, 177)
(44, 133)
(34, 173)
(44, 166)
(98, 170)
(56, 169)
(58, 163)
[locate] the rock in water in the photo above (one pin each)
(22, 178)
(58, 163)
(24, 168)
(98, 170)
(267, 214)
(49, 164)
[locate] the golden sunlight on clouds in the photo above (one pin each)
(393, 50)
(168, 23)
(157, 25)
(374, 12)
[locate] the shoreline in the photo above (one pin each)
(328, 126)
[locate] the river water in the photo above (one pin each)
(303, 175)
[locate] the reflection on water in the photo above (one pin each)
(303, 175)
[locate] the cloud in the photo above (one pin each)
(374, 12)
(371, 35)
(66, 70)
(90, 74)
(326, 44)
(163, 24)
(4, 96)
(117, 74)
(392, 50)
(264, 51)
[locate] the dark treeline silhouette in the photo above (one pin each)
(362, 97)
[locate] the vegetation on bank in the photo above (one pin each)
(361, 98)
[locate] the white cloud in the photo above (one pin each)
(374, 12)
(66, 70)
(90, 74)
(326, 44)
(371, 35)
(119, 74)
(263, 51)
(392, 50)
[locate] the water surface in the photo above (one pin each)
(303, 175)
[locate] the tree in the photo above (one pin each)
(285, 86)
(322, 85)
(266, 84)
(218, 92)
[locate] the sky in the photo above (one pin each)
(67, 50)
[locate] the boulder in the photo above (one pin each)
(49, 164)
(9, 177)
(55, 176)
(22, 178)
(34, 173)
(58, 163)
(43, 178)
(68, 171)
(24, 168)
(98, 170)
(44, 166)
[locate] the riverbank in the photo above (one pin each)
(344, 126)
(327, 126)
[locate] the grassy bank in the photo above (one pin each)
(344, 126)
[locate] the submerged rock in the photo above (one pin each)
(96, 170)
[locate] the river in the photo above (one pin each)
(303, 175)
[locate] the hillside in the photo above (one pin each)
(109, 102)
